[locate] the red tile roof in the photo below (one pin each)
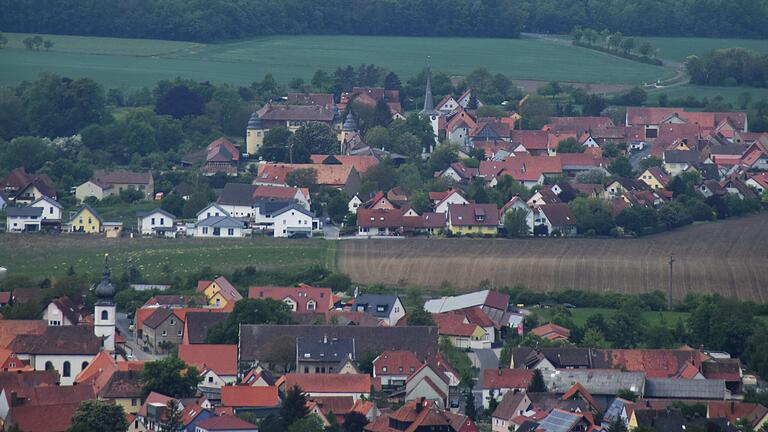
(330, 383)
(530, 139)
(221, 359)
(225, 423)
(249, 396)
(327, 175)
(362, 163)
(44, 418)
(497, 300)
(379, 218)
(551, 331)
(452, 324)
(507, 378)
(396, 363)
(9, 329)
(301, 295)
(577, 124)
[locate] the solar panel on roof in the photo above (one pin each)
(558, 421)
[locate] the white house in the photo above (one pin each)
(61, 312)
(220, 226)
(51, 209)
(23, 219)
(387, 308)
(293, 220)
(590, 142)
(211, 210)
(453, 198)
(353, 204)
(68, 350)
(156, 222)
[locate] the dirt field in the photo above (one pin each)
(730, 258)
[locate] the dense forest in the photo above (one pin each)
(211, 20)
(729, 67)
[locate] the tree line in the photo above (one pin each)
(729, 67)
(211, 20)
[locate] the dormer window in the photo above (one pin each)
(381, 308)
(311, 305)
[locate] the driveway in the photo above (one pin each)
(330, 231)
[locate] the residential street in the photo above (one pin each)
(131, 346)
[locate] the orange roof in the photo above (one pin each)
(9, 329)
(580, 390)
(362, 163)
(396, 362)
(221, 359)
(248, 396)
(102, 367)
(327, 175)
(330, 383)
(552, 331)
(506, 378)
(452, 324)
(301, 295)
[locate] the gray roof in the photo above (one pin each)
(254, 122)
(23, 211)
(596, 382)
(559, 421)
(158, 317)
(212, 205)
(157, 210)
(294, 206)
(197, 324)
(49, 200)
(565, 357)
(256, 340)
(684, 389)
(240, 194)
(325, 349)
(221, 222)
(690, 157)
(270, 207)
(378, 305)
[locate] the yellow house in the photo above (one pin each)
(473, 219)
(86, 220)
(219, 292)
(655, 178)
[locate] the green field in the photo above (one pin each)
(729, 94)
(128, 63)
(677, 49)
(579, 316)
(46, 255)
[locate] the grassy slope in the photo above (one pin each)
(678, 49)
(729, 94)
(133, 63)
(580, 315)
(41, 255)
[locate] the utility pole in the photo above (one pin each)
(669, 289)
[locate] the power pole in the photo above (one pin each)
(669, 289)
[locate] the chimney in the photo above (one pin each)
(325, 339)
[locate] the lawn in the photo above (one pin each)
(677, 49)
(44, 255)
(128, 63)
(729, 94)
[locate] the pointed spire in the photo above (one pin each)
(349, 123)
(429, 100)
(105, 290)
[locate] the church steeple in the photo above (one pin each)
(429, 100)
(105, 310)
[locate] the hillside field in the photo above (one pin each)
(728, 257)
(677, 49)
(48, 255)
(132, 63)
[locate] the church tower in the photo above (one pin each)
(254, 134)
(429, 112)
(104, 313)
(347, 128)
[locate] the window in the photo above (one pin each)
(210, 379)
(84, 365)
(50, 210)
(162, 221)
(48, 366)
(165, 333)
(231, 231)
(104, 315)
(400, 369)
(90, 221)
(173, 321)
(384, 369)
(12, 365)
(311, 305)
(134, 402)
(205, 230)
(317, 369)
(306, 369)
(152, 221)
(67, 372)
(178, 333)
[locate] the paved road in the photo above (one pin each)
(636, 156)
(488, 360)
(131, 346)
(330, 231)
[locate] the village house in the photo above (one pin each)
(513, 404)
(85, 220)
(294, 221)
(197, 323)
(154, 413)
(21, 187)
(219, 292)
(162, 330)
(106, 183)
(23, 219)
(222, 227)
(497, 382)
(461, 333)
(387, 308)
(217, 365)
(552, 332)
(258, 401)
(324, 355)
(554, 220)
(61, 312)
(157, 222)
(211, 210)
(473, 219)
(393, 367)
(427, 383)
(421, 415)
(441, 200)
(52, 210)
(492, 303)
(124, 388)
(221, 157)
(273, 115)
(345, 178)
(655, 178)
(301, 299)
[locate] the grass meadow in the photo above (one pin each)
(131, 63)
(40, 255)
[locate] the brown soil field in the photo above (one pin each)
(728, 257)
